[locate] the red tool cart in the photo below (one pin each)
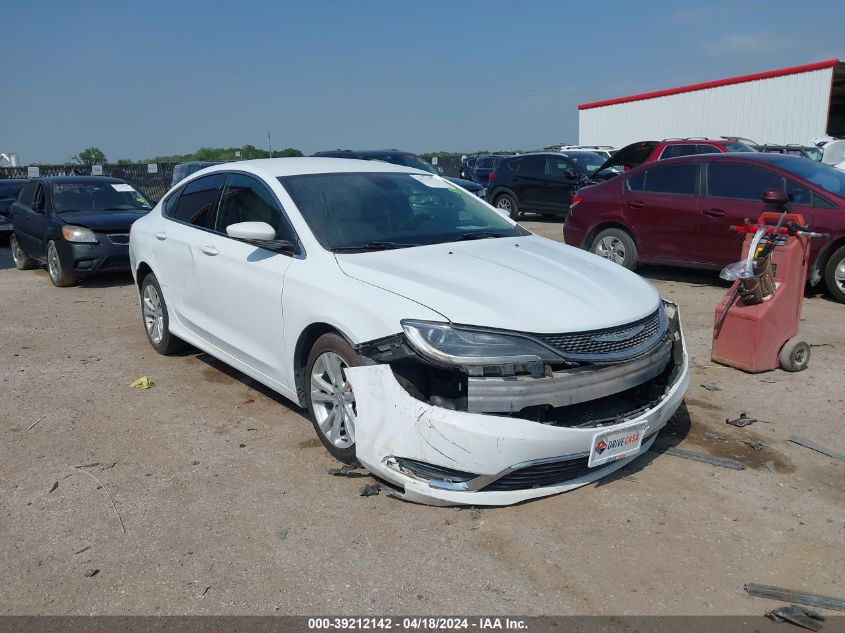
(756, 323)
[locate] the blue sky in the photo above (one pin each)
(153, 77)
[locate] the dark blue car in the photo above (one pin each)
(9, 188)
(77, 225)
(482, 166)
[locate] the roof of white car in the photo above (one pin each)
(277, 167)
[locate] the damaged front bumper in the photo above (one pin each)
(441, 456)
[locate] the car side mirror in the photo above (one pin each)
(777, 197)
(260, 234)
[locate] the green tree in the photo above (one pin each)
(90, 156)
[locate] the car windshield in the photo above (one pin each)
(96, 196)
(738, 147)
(828, 178)
(374, 211)
(588, 161)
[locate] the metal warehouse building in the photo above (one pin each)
(791, 105)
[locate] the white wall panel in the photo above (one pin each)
(786, 109)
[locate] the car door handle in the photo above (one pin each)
(714, 213)
(209, 250)
(635, 204)
(161, 236)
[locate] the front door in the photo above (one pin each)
(242, 283)
(734, 195)
(563, 181)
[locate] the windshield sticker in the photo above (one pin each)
(123, 187)
(435, 182)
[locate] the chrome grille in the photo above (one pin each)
(119, 238)
(623, 341)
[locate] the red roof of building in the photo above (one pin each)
(792, 70)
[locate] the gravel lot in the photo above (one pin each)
(228, 509)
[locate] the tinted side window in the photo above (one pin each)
(637, 182)
(798, 194)
(169, 206)
(25, 195)
(245, 199)
(559, 166)
(707, 149)
(673, 151)
(484, 163)
(514, 165)
(533, 166)
(730, 180)
(674, 179)
(198, 201)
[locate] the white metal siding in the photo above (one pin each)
(786, 109)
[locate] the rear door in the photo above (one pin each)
(734, 194)
(21, 215)
(662, 204)
(191, 213)
(242, 283)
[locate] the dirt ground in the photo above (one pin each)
(228, 509)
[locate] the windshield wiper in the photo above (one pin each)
(372, 246)
(479, 235)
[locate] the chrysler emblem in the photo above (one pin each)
(619, 335)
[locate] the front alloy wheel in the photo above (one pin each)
(333, 400)
(330, 399)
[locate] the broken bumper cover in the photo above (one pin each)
(445, 457)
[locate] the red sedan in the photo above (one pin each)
(678, 211)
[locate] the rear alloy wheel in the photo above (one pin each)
(21, 259)
(331, 402)
(59, 274)
(156, 319)
(507, 203)
(834, 275)
(616, 245)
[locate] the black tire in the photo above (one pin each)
(836, 266)
(158, 334)
(794, 355)
(60, 275)
(21, 259)
(508, 203)
(321, 411)
(617, 245)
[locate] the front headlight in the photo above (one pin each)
(450, 345)
(79, 234)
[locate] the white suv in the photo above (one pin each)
(455, 354)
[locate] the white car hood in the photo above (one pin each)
(527, 284)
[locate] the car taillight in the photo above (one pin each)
(491, 176)
(575, 200)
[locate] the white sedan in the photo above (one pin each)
(456, 355)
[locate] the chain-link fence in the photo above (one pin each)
(152, 184)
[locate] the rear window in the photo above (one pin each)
(671, 179)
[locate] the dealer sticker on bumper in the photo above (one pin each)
(609, 446)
